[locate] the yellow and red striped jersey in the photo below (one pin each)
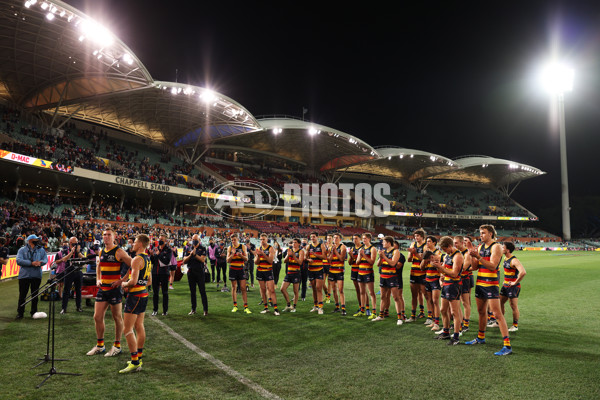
(387, 270)
(110, 267)
(337, 264)
(415, 269)
(293, 266)
(140, 289)
(431, 273)
(487, 277)
(315, 263)
(263, 264)
(449, 265)
(511, 274)
(364, 267)
(237, 260)
(354, 251)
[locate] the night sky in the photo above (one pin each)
(451, 78)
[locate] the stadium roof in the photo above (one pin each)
(311, 144)
(57, 60)
(54, 58)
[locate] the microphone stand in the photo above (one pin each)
(50, 285)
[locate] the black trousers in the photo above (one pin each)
(251, 272)
(160, 281)
(276, 271)
(196, 277)
(72, 278)
(303, 280)
(24, 285)
(222, 266)
(213, 266)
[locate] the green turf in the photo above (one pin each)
(304, 356)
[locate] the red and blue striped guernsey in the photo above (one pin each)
(337, 264)
(415, 269)
(315, 264)
(387, 271)
(431, 273)
(264, 264)
(140, 289)
(510, 274)
(293, 266)
(110, 268)
(448, 266)
(237, 261)
(364, 267)
(487, 277)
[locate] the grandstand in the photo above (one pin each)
(157, 164)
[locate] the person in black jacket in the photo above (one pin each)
(161, 260)
(196, 262)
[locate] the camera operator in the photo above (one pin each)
(73, 275)
(161, 260)
(30, 258)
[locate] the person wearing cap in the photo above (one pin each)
(30, 258)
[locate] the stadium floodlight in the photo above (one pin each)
(277, 131)
(49, 16)
(208, 96)
(558, 78)
(97, 33)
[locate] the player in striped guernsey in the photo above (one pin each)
(514, 272)
(135, 305)
(366, 277)
(326, 283)
(353, 261)
(486, 260)
(237, 255)
(108, 278)
(389, 257)
(451, 269)
(433, 287)
(316, 252)
(460, 242)
(337, 257)
(293, 261)
(265, 253)
(417, 276)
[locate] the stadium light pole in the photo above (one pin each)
(558, 79)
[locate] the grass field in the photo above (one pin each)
(307, 356)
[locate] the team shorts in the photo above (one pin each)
(433, 285)
(466, 284)
(264, 276)
(312, 275)
(388, 282)
(487, 292)
(512, 292)
(292, 278)
(112, 296)
(451, 292)
(366, 278)
(336, 276)
(326, 269)
(236, 275)
(400, 280)
(135, 305)
(353, 275)
(418, 279)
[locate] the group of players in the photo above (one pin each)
(444, 272)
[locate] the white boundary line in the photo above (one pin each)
(218, 363)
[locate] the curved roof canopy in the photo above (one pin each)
(489, 170)
(56, 59)
(302, 141)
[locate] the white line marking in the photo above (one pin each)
(218, 363)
